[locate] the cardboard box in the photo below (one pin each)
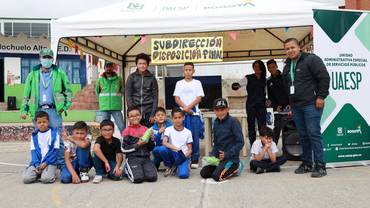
(237, 98)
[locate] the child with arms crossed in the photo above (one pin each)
(264, 151)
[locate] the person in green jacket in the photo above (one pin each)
(47, 89)
(109, 89)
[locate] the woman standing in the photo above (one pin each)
(256, 101)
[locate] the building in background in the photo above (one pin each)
(20, 43)
(358, 4)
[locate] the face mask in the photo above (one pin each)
(46, 63)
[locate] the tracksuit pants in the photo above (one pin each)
(140, 169)
(169, 156)
(156, 157)
(221, 172)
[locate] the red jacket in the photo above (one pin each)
(134, 130)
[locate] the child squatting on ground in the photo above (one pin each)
(137, 142)
(228, 141)
(44, 151)
(77, 155)
(106, 148)
(158, 128)
(176, 148)
(264, 151)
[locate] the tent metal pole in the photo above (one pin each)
(138, 40)
(273, 35)
(124, 84)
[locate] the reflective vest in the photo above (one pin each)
(62, 92)
(109, 92)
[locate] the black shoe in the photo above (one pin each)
(260, 170)
(194, 164)
(303, 168)
(84, 175)
(157, 167)
(320, 171)
(277, 169)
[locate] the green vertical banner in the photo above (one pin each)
(342, 40)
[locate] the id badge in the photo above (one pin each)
(44, 97)
(292, 90)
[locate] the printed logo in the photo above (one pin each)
(221, 103)
(355, 131)
(340, 131)
(135, 6)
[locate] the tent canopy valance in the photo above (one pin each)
(261, 26)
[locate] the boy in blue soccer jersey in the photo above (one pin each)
(159, 127)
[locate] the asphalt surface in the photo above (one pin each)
(342, 187)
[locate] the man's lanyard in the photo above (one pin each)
(293, 68)
(42, 79)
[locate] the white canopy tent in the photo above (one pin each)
(261, 26)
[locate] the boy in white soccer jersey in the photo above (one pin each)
(176, 147)
(188, 94)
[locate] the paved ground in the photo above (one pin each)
(342, 187)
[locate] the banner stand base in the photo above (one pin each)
(347, 164)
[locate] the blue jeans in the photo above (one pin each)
(307, 120)
(100, 168)
(169, 156)
(83, 160)
(156, 157)
(117, 115)
(55, 122)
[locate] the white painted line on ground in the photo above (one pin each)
(20, 165)
(211, 181)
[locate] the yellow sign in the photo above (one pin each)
(180, 50)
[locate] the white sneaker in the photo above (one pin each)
(194, 164)
(97, 179)
(84, 175)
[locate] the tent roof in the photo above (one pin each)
(191, 18)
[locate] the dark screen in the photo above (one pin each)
(212, 87)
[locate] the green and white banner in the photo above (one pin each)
(342, 40)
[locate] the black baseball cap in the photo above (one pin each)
(220, 102)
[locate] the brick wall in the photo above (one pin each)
(85, 99)
(358, 4)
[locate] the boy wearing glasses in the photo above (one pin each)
(139, 166)
(106, 148)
